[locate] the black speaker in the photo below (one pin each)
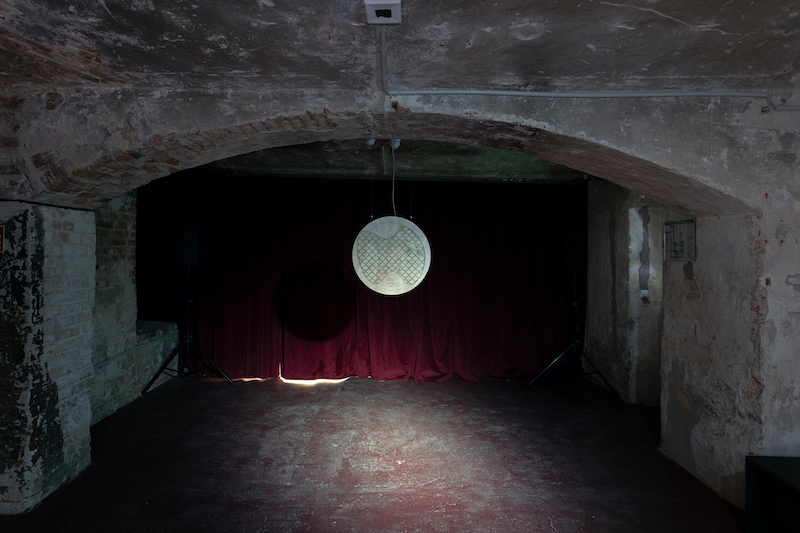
(191, 245)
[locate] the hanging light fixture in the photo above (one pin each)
(391, 255)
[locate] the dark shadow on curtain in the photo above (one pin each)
(278, 293)
(314, 302)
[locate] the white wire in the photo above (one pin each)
(394, 169)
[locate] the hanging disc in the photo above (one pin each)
(391, 255)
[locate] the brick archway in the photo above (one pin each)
(160, 155)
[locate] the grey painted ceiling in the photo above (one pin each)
(263, 45)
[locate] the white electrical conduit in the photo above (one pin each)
(540, 94)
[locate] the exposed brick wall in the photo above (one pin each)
(47, 294)
(120, 379)
(125, 354)
(115, 292)
(69, 278)
(51, 176)
(49, 275)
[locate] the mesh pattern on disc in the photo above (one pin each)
(402, 254)
(391, 255)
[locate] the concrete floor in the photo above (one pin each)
(560, 456)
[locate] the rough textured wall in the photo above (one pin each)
(711, 362)
(100, 143)
(115, 291)
(781, 340)
(45, 316)
(23, 424)
(120, 379)
(778, 291)
(645, 297)
(607, 320)
(69, 277)
(625, 287)
(125, 353)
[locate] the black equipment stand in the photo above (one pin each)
(575, 345)
(187, 342)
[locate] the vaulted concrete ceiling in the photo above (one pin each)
(516, 44)
(129, 57)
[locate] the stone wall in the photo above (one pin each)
(607, 335)
(46, 317)
(624, 290)
(714, 312)
(645, 296)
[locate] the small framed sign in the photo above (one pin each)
(679, 240)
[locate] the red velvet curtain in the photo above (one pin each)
(277, 291)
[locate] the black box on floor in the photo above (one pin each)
(772, 492)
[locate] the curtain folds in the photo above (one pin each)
(278, 294)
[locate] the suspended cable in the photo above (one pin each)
(394, 171)
(411, 207)
(371, 142)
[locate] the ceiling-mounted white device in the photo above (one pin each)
(384, 11)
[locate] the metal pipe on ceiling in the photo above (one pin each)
(771, 105)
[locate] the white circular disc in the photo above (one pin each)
(391, 255)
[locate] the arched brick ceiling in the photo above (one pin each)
(101, 97)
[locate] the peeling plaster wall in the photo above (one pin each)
(48, 319)
(607, 321)
(27, 393)
(645, 297)
(777, 297)
(773, 296)
(46, 286)
(712, 382)
(776, 182)
(624, 308)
